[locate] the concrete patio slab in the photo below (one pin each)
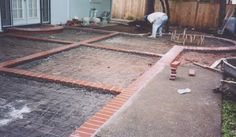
(159, 111)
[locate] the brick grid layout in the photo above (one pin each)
(90, 127)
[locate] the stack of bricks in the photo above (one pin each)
(174, 65)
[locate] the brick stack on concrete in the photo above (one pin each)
(174, 65)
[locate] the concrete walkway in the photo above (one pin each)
(159, 111)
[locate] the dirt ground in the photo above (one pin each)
(143, 44)
(11, 48)
(37, 109)
(70, 35)
(96, 65)
(126, 28)
(204, 58)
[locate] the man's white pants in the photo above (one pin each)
(158, 25)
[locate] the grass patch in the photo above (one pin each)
(229, 115)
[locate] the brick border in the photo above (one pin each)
(39, 39)
(47, 30)
(63, 80)
(93, 124)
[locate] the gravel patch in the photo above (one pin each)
(11, 48)
(96, 65)
(30, 108)
(71, 35)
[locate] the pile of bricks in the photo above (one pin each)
(174, 65)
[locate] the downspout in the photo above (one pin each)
(1, 20)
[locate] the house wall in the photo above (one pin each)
(82, 8)
(60, 11)
(79, 8)
(104, 5)
(63, 10)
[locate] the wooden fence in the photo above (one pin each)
(123, 9)
(187, 14)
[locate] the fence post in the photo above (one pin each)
(196, 14)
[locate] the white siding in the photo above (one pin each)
(63, 10)
(105, 5)
(59, 11)
(79, 8)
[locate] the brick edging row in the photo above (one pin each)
(39, 39)
(46, 30)
(63, 80)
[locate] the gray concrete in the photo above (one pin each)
(159, 111)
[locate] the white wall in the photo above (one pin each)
(59, 11)
(104, 5)
(63, 10)
(79, 8)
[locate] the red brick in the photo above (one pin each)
(175, 64)
(122, 97)
(109, 109)
(105, 115)
(172, 78)
(82, 134)
(192, 72)
(112, 107)
(100, 119)
(89, 125)
(97, 123)
(173, 72)
(106, 112)
(86, 130)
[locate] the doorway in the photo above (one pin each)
(5, 7)
(25, 12)
(45, 11)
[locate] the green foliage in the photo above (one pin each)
(229, 117)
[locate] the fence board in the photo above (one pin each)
(135, 8)
(187, 14)
(207, 16)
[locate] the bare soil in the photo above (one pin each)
(96, 65)
(37, 109)
(11, 48)
(204, 58)
(71, 35)
(159, 45)
(126, 28)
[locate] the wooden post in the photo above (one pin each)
(196, 14)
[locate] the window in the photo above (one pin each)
(17, 9)
(33, 8)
